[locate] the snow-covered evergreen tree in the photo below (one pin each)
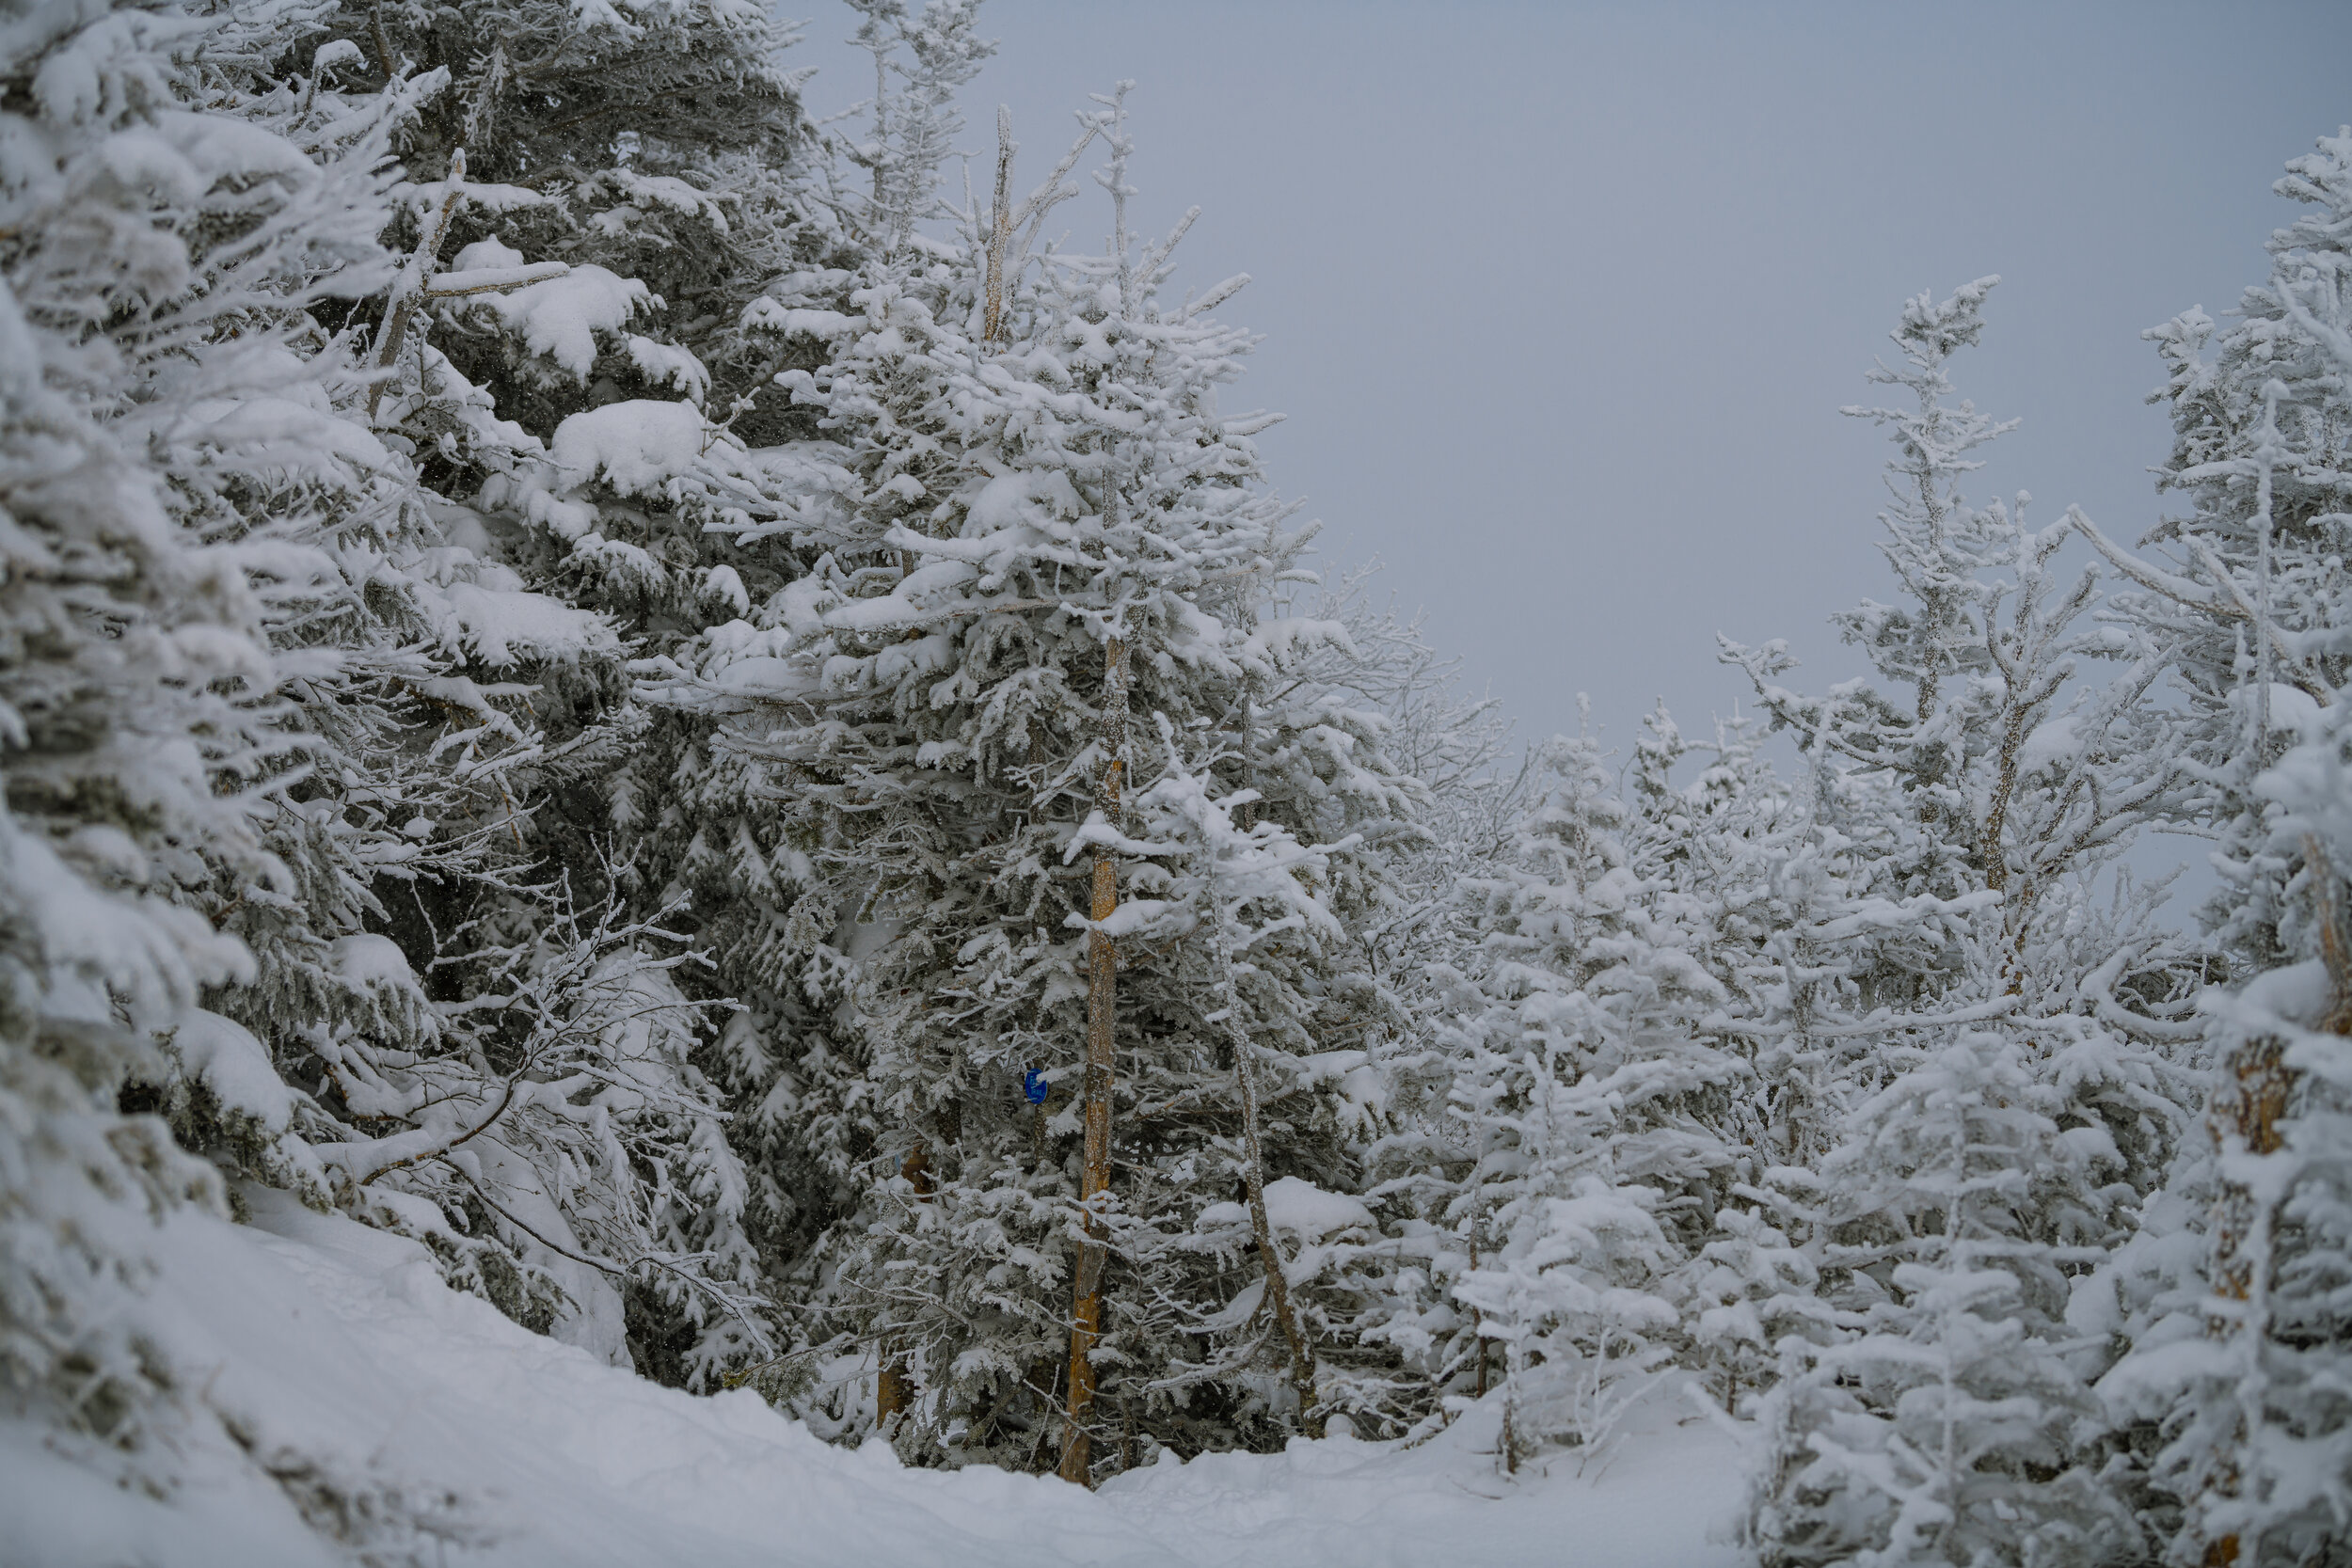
(205, 739)
(531, 515)
(2238, 1314)
(920, 59)
(430, 1026)
(1947, 1424)
(134, 656)
(1056, 525)
(1990, 1058)
(594, 675)
(1585, 1103)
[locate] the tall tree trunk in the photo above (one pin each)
(894, 1390)
(1508, 1440)
(2250, 1103)
(1278, 1292)
(1086, 1321)
(1478, 1318)
(2247, 1105)
(1000, 225)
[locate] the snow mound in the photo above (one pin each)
(637, 446)
(560, 318)
(1665, 1499)
(364, 959)
(223, 1056)
(1296, 1206)
(351, 1372)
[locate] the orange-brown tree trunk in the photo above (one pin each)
(1085, 1319)
(2248, 1105)
(894, 1390)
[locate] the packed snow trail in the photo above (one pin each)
(347, 1365)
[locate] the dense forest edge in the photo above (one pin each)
(711, 717)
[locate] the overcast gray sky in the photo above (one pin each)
(1562, 300)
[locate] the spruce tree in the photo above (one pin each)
(1059, 529)
(1970, 825)
(132, 661)
(428, 1011)
(2235, 1316)
(1584, 1096)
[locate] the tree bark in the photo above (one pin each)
(1278, 1292)
(999, 233)
(2248, 1105)
(1478, 1318)
(1086, 1324)
(894, 1390)
(408, 287)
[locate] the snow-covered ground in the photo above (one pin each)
(339, 1355)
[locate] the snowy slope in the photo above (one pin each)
(339, 1355)
(1443, 1505)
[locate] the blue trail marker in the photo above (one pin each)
(1033, 1087)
